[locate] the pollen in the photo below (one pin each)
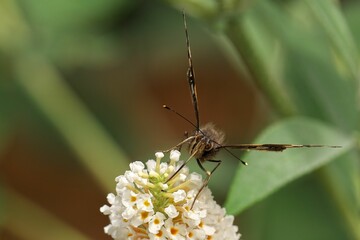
(156, 221)
(146, 203)
(133, 199)
(144, 215)
(174, 231)
(201, 224)
(159, 234)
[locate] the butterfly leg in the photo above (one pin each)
(180, 144)
(186, 135)
(181, 167)
(208, 175)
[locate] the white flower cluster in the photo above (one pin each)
(147, 206)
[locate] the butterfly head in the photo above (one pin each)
(206, 142)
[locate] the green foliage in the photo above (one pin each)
(303, 56)
(267, 172)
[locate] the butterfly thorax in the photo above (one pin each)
(206, 142)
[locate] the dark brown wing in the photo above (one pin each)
(272, 147)
(191, 77)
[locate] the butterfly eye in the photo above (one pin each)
(208, 147)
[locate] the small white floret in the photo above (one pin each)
(179, 195)
(175, 155)
(159, 155)
(171, 211)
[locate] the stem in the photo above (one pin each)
(259, 70)
(83, 133)
(27, 220)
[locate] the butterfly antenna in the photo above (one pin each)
(231, 153)
(243, 162)
(179, 114)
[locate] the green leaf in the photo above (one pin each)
(299, 207)
(268, 172)
(292, 59)
(351, 12)
(338, 32)
(314, 86)
(314, 78)
(252, 35)
(343, 181)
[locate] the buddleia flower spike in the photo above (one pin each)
(147, 206)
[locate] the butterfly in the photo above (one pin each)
(206, 141)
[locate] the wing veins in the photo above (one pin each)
(273, 147)
(191, 77)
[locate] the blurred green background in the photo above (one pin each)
(82, 84)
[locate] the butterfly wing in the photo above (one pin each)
(191, 76)
(272, 147)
